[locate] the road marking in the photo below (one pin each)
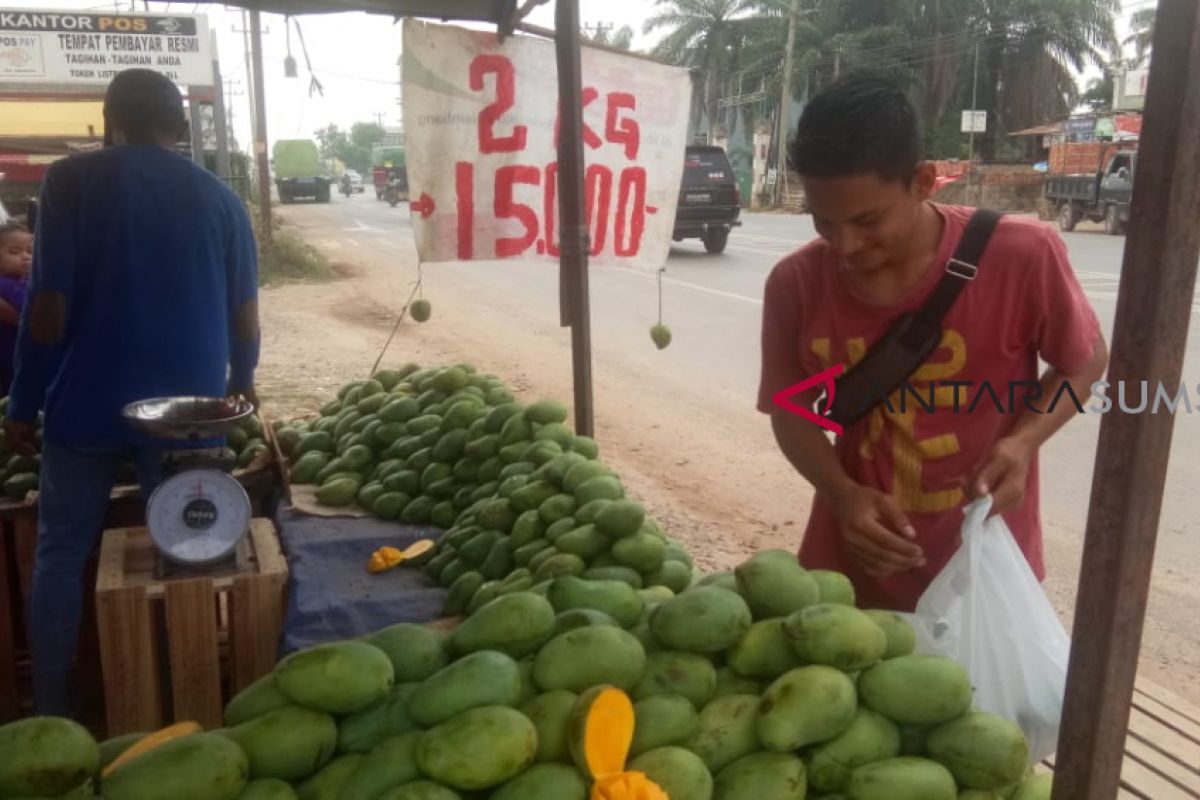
(686, 284)
(359, 226)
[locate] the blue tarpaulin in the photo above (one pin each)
(330, 593)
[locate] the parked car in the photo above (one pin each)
(710, 201)
(1101, 196)
(356, 181)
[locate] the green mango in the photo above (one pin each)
(255, 700)
(327, 783)
(616, 598)
(362, 730)
(585, 542)
(901, 638)
(759, 776)
(45, 756)
(288, 743)
(390, 763)
(662, 720)
(765, 652)
(590, 656)
(775, 585)
(904, 778)
(870, 737)
(640, 551)
(680, 773)
(203, 766)
(544, 782)
(551, 715)
(726, 731)
(268, 789)
(337, 678)
(516, 624)
(805, 706)
(478, 749)
(482, 678)
(835, 635)
(685, 674)
(917, 689)
(981, 750)
(704, 619)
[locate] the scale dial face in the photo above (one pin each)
(198, 516)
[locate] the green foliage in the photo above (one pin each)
(353, 147)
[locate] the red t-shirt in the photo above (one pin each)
(1024, 303)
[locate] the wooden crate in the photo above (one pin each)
(18, 537)
(177, 649)
(18, 545)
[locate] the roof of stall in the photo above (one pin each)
(500, 12)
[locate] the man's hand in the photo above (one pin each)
(1003, 474)
(876, 532)
(21, 437)
(249, 393)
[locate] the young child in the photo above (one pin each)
(16, 259)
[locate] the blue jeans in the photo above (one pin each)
(73, 498)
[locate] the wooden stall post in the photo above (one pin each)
(573, 231)
(1154, 304)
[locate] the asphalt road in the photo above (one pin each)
(713, 304)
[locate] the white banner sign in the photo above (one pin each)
(67, 47)
(481, 122)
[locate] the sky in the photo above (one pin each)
(354, 56)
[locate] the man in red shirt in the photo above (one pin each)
(890, 490)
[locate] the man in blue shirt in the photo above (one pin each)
(144, 285)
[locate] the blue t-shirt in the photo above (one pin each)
(155, 256)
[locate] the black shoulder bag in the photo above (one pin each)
(913, 337)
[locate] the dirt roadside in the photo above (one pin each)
(712, 475)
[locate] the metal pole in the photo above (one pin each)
(785, 103)
(219, 114)
(971, 139)
(1154, 308)
(196, 125)
(260, 127)
(573, 231)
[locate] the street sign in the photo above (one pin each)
(68, 47)
(772, 176)
(974, 122)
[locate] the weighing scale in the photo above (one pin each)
(198, 517)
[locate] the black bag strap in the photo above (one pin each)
(962, 267)
(914, 336)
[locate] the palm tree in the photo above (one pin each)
(1141, 34)
(1028, 51)
(703, 34)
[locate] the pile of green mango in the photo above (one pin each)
(19, 474)
(421, 445)
(764, 682)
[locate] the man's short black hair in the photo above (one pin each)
(145, 105)
(859, 125)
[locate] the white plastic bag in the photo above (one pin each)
(987, 611)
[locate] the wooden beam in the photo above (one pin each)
(573, 259)
(1154, 306)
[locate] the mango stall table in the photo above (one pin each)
(331, 595)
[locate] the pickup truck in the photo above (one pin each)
(1102, 196)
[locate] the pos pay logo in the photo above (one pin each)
(824, 378)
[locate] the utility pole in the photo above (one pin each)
(971, 135)
(219, 114)
(260, 126)
(837, 64)
(785, 103)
